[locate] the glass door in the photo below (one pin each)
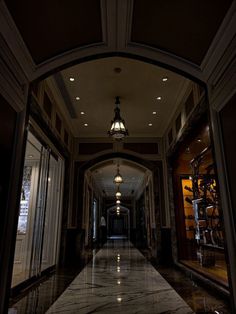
(40, 212)
(25, 229)
(52, 220)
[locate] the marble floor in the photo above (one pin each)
(130, 284)
(119, 280)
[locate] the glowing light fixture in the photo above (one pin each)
(118, 130)
(118, 178)
(117, 201)
(118, 194)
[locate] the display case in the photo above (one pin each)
(208, 225)
(198, 213)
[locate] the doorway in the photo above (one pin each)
(39, 219)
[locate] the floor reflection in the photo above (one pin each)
(118, 279)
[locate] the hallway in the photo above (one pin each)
(119, 279)
(116, 124)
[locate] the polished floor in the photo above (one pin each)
(119, 279)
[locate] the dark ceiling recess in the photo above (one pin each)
(49, 28)
(185, 28)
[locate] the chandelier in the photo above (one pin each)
(118, 130)
(118, 178)
(118, 194)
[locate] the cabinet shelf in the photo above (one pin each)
(212, 246)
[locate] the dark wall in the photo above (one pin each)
(7, 131)
(228, 124)
(12, 126)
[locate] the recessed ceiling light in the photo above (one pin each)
(154, 112)
(149, 124)
(199, 140)
(77, 98)
(86, 124)
(72, 79)
(82, 112)
(159, 98)
(164, 79)
(30, 156)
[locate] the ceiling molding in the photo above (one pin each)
(60, 101)
(116, 31)
(65, 95)
(221, 42)
(13, 83)
(15, 42)
(110, 45)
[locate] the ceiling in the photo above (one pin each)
(47, 35)
(132, 174)
(138, 84)
(184, 28)
(50, 28)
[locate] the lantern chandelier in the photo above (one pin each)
(118, 178)
(118, 130)
(118, 194)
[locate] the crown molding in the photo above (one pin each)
(219, 46)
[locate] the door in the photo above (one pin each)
(40, 212)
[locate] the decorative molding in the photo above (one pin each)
(108, 14)
(110, 11)
(15, 42)
(165, 59)
(222, 81)
(116, 27)
(60, 101)
(58, 79)
(220, 44)
(13, 83)
(124, 21)
(218, 98)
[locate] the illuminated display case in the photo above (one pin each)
(199, 218)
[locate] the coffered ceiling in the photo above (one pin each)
(184, 28)
(50, 28)
(47, 35)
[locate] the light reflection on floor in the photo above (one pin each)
(200, 300)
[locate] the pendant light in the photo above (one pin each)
(118, 194)
(118, 130)
(118, 178)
